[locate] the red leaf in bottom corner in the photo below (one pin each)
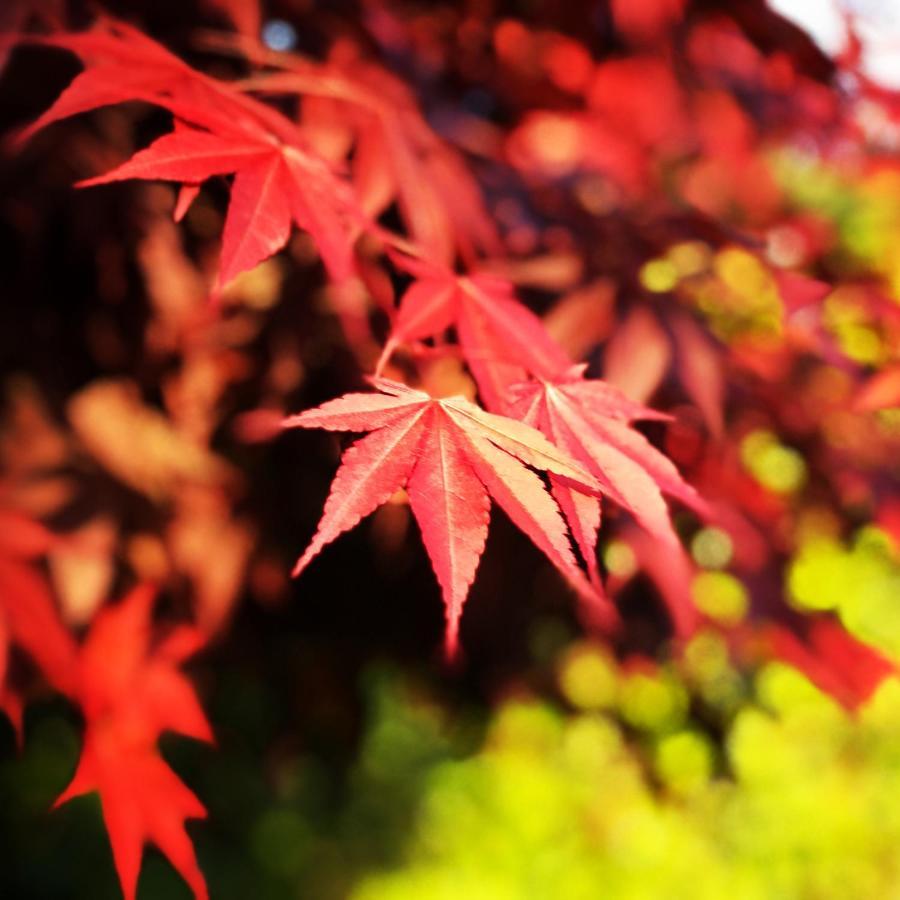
(131, 692)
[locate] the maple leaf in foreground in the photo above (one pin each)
(130, 693)
(590, 421)
(453, 458)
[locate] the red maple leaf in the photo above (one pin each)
(121, 64)
(28, 615)
(646, 20)
(397, 155)
(590, 420)
(640, 351)
(130, 692)
(274, 184)
(453, 458)
(277, 178)
(502, 341)
(831, 658)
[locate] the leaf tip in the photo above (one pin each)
(452, 650)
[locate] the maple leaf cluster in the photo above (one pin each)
(646, 201)
(279, 179)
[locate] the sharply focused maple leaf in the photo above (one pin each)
(503, 342)
(453, 458)
(277, 178)
(131, 691)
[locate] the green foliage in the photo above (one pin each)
(564, 805)
(696, 783)
(861, 582)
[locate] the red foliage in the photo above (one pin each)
(453, 458)
(131, 691)
(648, 167)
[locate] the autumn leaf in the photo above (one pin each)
(111, 420)
(640, 352)
(278, 180)
(503, 342)
(438, 199)
(637, 355)
(881, 391)
(833, 659)
(28, 615)
(274, 184)
(700, 371)
(21, 537)
(121, 64)
(453, 458)
(646, 20)
(397, 156)
(131, 691)
(590, 420)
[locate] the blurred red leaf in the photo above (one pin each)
(131, 691)
(834, 660)
(501, 340)
(30, 621)
(646, 20)
(700, 371)
(880, 391)
(637, 355)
